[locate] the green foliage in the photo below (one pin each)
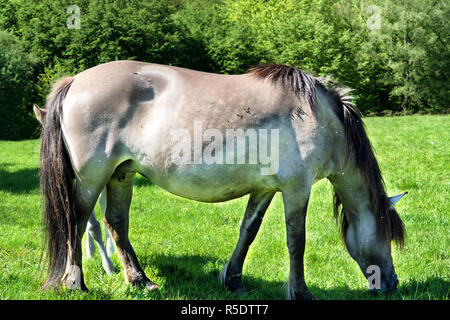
(400, 64)
(330, 38)
(16, 73)
(413, 33)
(48, 78)
(117, 30)
(109, 30)
(226, 47)
(404, 62)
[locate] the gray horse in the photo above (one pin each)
(210, 138)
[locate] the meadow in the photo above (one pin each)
(182, 245)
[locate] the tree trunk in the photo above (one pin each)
(406, 104)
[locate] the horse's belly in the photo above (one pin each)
(214, 184)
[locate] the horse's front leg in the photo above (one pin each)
(295, 206)
(230, 276)
(119, 193)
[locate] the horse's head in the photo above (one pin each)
(369, 220)
(40, 114)
(369, 224)
(380, 252)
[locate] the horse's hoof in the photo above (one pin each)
(312, 297)
(241, 292)
(73, 279)
(303, 295)
(233, 283)
(151, 286)
(108, 266)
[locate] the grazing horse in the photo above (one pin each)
(117, 119)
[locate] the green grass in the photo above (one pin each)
(182, 245)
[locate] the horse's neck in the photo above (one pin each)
(352, 190)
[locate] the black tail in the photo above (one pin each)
(56, 176)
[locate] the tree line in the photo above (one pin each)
(394, 54)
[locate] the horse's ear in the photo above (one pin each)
(40, 113)
(394, 199)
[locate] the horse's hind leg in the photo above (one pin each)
(295, 206)
(230, 276)
(119, 193)
(84, 202)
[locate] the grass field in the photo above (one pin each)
(182, 245)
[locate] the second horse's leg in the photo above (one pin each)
(94, 231)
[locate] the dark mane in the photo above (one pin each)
(389, 224)
(301, 83)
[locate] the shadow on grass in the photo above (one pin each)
(25, 180)
(189, 277)
(21, 181)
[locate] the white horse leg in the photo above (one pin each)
(95, 232)
(109, 243)
(90, 246)
(110, 249)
